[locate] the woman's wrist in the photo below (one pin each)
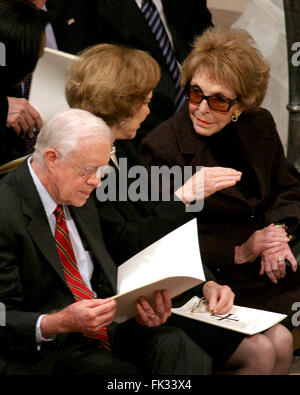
(185, 195)
(239, 256)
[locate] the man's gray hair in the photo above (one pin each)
(64, 131)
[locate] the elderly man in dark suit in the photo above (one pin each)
(56, 276)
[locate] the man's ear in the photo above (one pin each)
(51, 158)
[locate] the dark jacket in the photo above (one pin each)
(32, 281)
(75, 24)
(12, 146)
(3, 117)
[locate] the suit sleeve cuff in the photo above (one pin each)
(38, 333)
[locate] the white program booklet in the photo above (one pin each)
(171, 263)
(47, 90)
(239, 319)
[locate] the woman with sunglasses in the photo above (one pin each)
(244, 231)
(116, 83)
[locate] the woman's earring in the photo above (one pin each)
(235, 115)
(122, 123)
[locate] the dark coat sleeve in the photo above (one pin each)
(12, 146)
(3, 117)
(18, 334)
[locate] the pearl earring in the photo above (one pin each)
(122, 123)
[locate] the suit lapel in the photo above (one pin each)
(171, 14)
(128, 14)
(40, 232)
(38, 225)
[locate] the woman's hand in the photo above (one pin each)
(220, 297)
(218, 178)
(273, 262)
(207, 181)
(259, 241)
(158, 313)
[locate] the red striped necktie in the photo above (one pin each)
(72, 275)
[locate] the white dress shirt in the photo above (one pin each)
(50, 37)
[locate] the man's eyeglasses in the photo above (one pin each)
(87, 172)
(215, 102)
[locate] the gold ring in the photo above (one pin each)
(280, 259)
(153, 316)
(283, 226)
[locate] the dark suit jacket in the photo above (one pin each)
(12, 145)
(228, 218)
(31, 277)
(3, 117)
(75, 24)
(123, 23)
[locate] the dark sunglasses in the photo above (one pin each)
(215, 102)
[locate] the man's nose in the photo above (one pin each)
(93, 180)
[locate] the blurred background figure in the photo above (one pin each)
(22, 28)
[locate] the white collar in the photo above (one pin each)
(48, 203)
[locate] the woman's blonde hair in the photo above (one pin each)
(111, 81)
(230, 57)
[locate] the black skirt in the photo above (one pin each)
(218, 342)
